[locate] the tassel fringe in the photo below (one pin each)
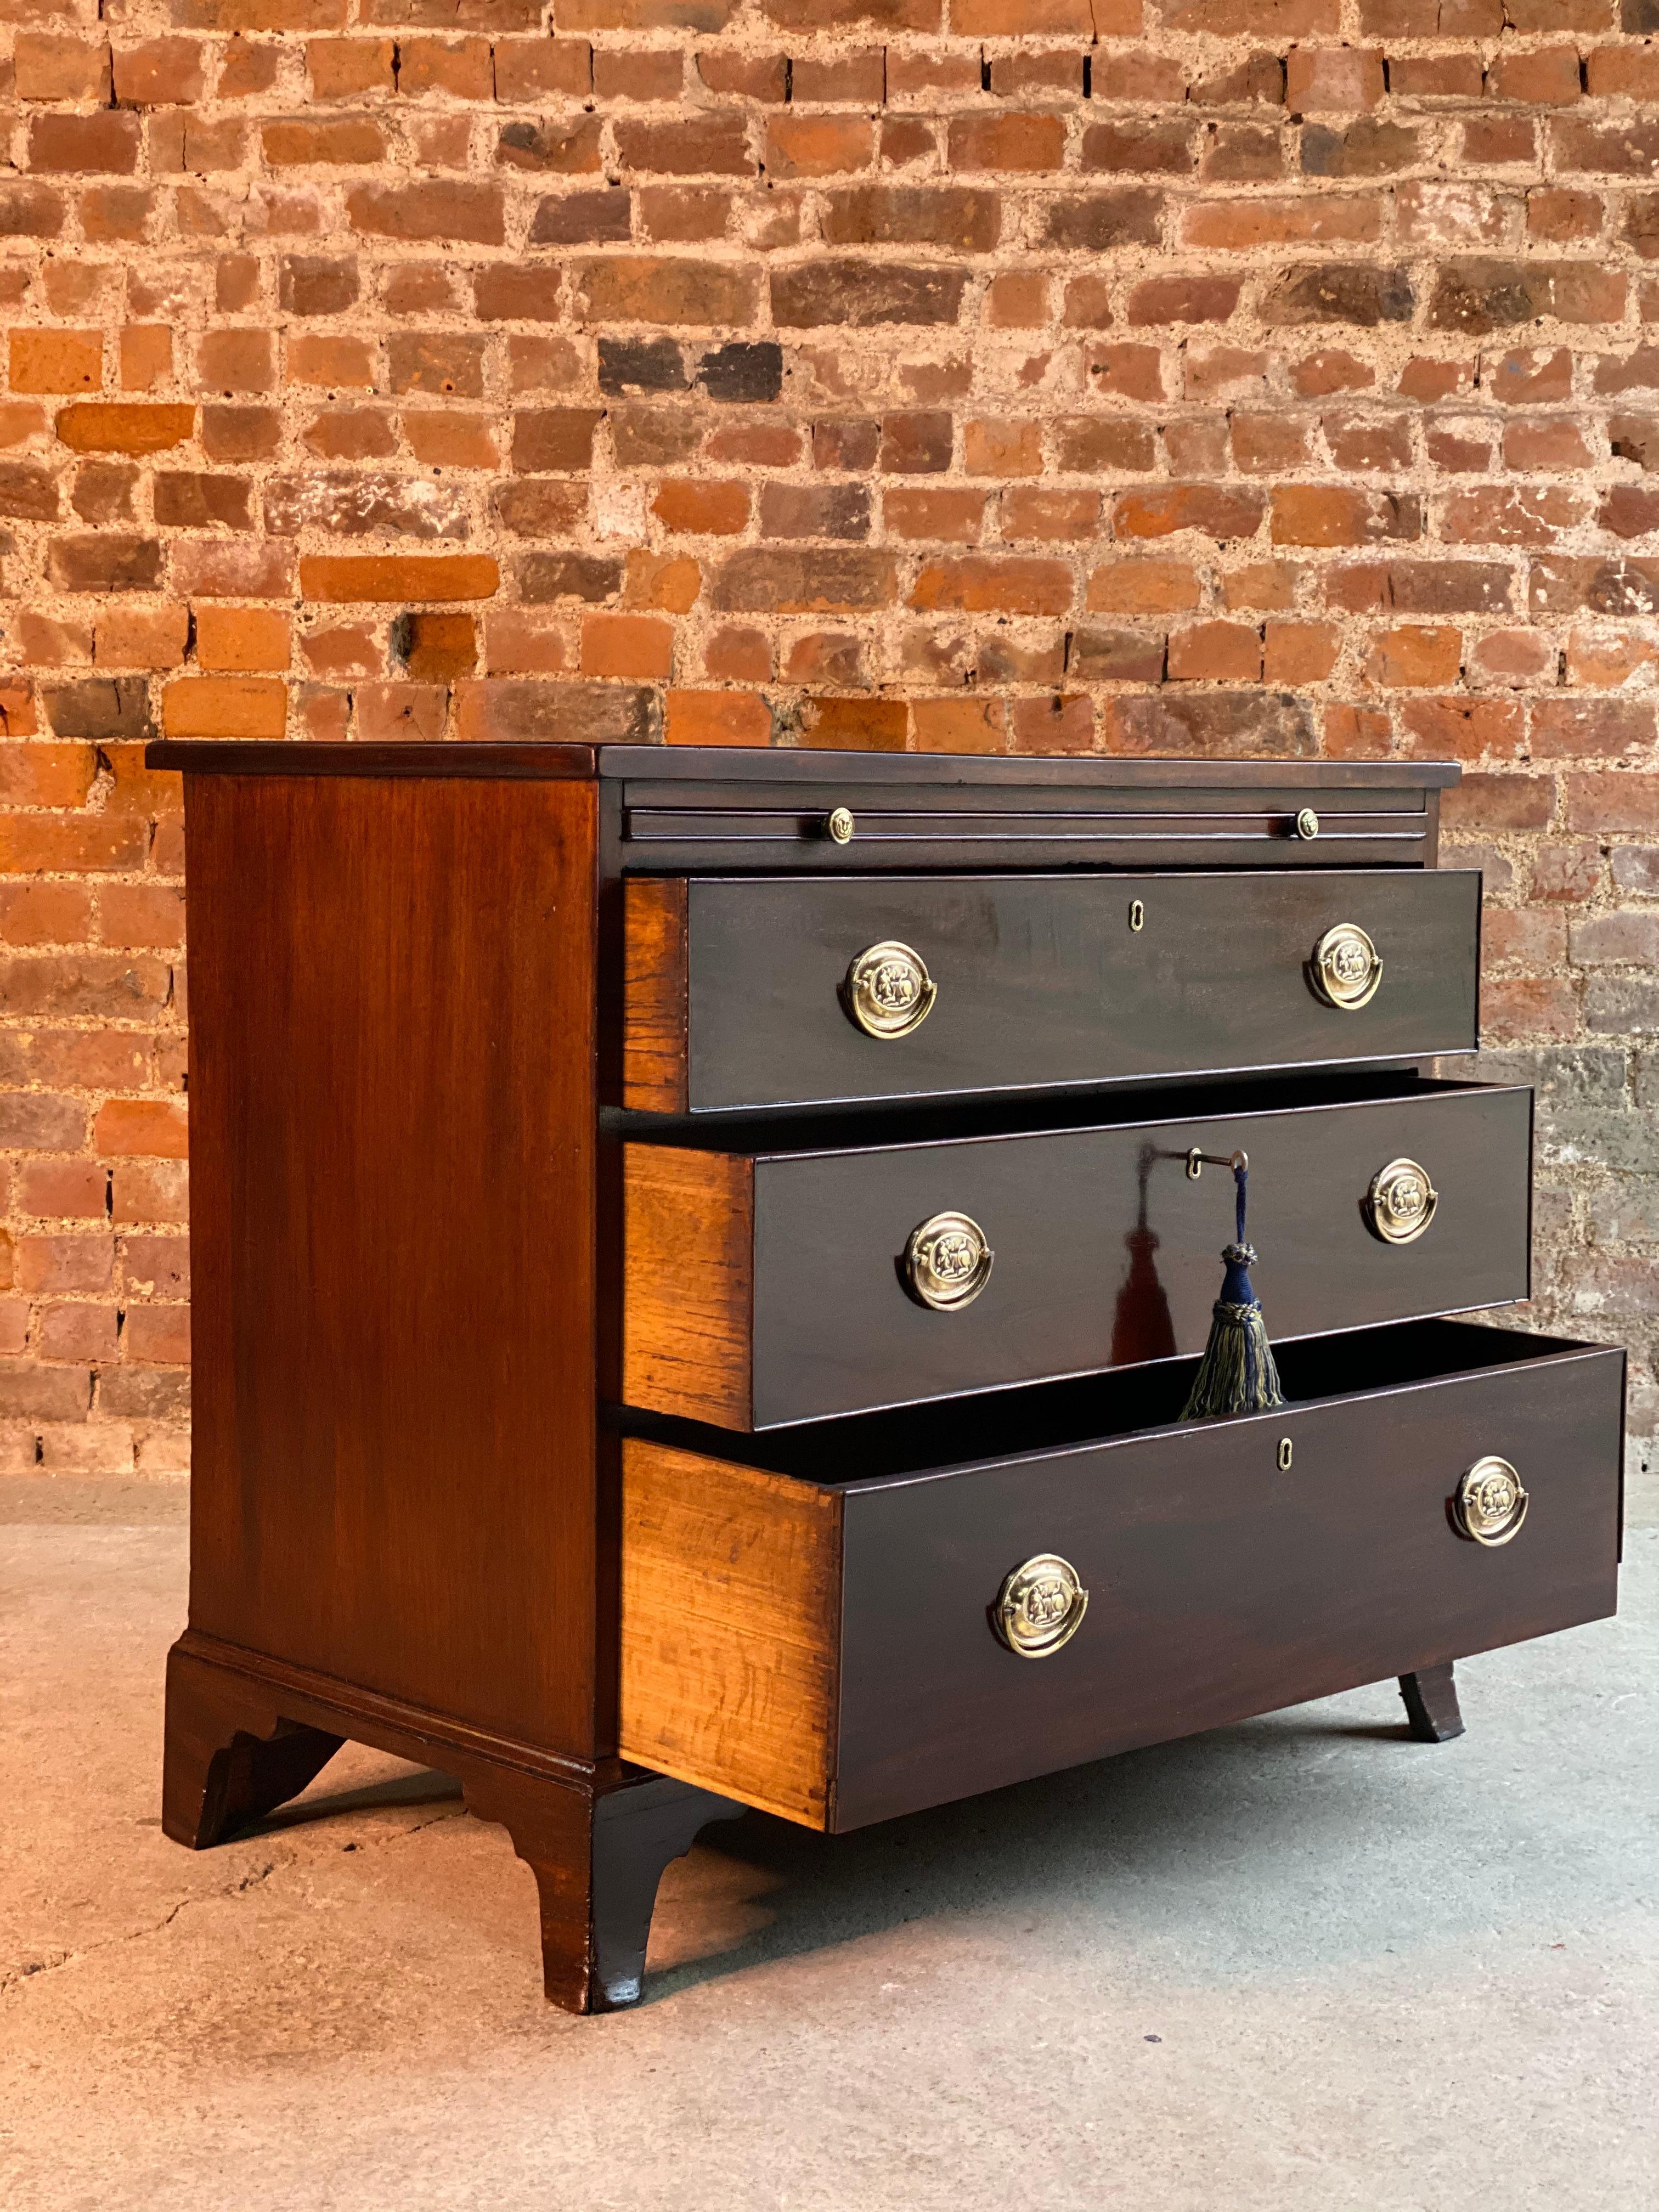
(1236, 1374)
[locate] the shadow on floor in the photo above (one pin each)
(762, 1889)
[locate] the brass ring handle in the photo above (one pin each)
(1040, 1606)
(947, 1262)
(887, 991)
(1345, 968)
(1490, 1502)
(1400, 1202)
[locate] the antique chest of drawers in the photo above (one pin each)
(701, 1257)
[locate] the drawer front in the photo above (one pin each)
(769, 1290)
(744, 992)
(1141, 815)
(1222, 1581)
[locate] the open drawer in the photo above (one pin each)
(744, 991)
(815, 1624)
(763, 1286)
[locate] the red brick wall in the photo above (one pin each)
(1217, 376)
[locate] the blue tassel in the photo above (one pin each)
(1236, 1374)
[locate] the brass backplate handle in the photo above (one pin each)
(1490, 1502)
(887, 991)
(1345, 968)
(1040, 1606)
(947, 1262)
(1400, 1202)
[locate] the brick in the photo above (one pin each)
(50, 67)
(107, 143)
(1222, 512)
(915, 514)
(124, 426)
(699, 506)
(862, 294)
(225, 707)
(825, 581)
(1477, 297)
(434, 210)
(379, 577)
(1497, 515)
(717, 718)
(959, 217)
(972, 583)
(1321, 79)
(818, 145)
(1214, 652)
(525, 69)
(555, 146)
(1315, 515)
(670, 291)
(240, 639)
(116, 561)
(1096, 222)
(54, 361)
(1239, 226)
(1420, 656)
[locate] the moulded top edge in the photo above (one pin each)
(752, 764)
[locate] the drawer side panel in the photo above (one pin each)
(687, 1264)
(731, 1628)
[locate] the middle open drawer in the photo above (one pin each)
(763, 1286)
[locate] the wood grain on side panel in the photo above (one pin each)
(392, 1143)
(688, 1247)
(654, 995)
(731, 1628)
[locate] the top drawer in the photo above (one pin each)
(765, 991)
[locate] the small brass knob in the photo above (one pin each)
(1040, 1606)
(840, 825)
(1307, 823)
(947, 1262)
(1345, 968)
(1490, 1503)
(887, 991)
(1400, 1202)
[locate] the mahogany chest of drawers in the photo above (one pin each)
(700, 1257)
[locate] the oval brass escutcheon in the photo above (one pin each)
(1137, 915)
(1307, 823)
(839, 824)
(1286, 1455)
(947, 1262)
(1040, 1606)
(1490, 1502)
(1345, 968)
(887, 991)
(1400, 1202)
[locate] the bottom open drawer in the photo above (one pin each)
(813, 1622)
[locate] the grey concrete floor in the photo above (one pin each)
(1304, 1963)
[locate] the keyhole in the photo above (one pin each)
(1137, 915)
(1284, 1455)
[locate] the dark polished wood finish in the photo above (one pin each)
(243, 1738)
(1432, 1713)
(478, 1037)
(392, 1191)
(1042, 981)
(737, 765)
(1222, 1582)
(1106, 1250)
